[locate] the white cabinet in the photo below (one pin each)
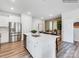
(4, 35)
(33, 48)
(42, 47)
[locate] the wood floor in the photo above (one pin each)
(14, 50)
(68, 50)
(17, 50)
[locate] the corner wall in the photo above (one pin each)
(68, 20)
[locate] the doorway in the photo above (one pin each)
(76, 32)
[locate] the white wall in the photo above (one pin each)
(36, 22)
(67, 30)
(68, 20)
(26, 23)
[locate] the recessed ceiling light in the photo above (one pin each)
(50, 15)
(12, 8)
(13, 0)
(42, 17)
(29, 13)
(44, 0)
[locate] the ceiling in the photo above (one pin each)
(38, 8)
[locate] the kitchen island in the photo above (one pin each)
(43, 46)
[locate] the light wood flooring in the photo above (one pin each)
(17, 50)
(14, 50)
(68, 50)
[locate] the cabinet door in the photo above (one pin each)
(36, 50)
(28, 44)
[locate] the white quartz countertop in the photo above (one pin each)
(43, 46)
(42, 36)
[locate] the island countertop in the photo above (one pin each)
(43, 46)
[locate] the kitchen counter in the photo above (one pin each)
(43, 46)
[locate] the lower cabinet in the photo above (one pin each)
(33, 48)
(41, 48)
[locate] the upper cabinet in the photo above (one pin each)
(4, 21)
(13, 18)
(6, 17)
